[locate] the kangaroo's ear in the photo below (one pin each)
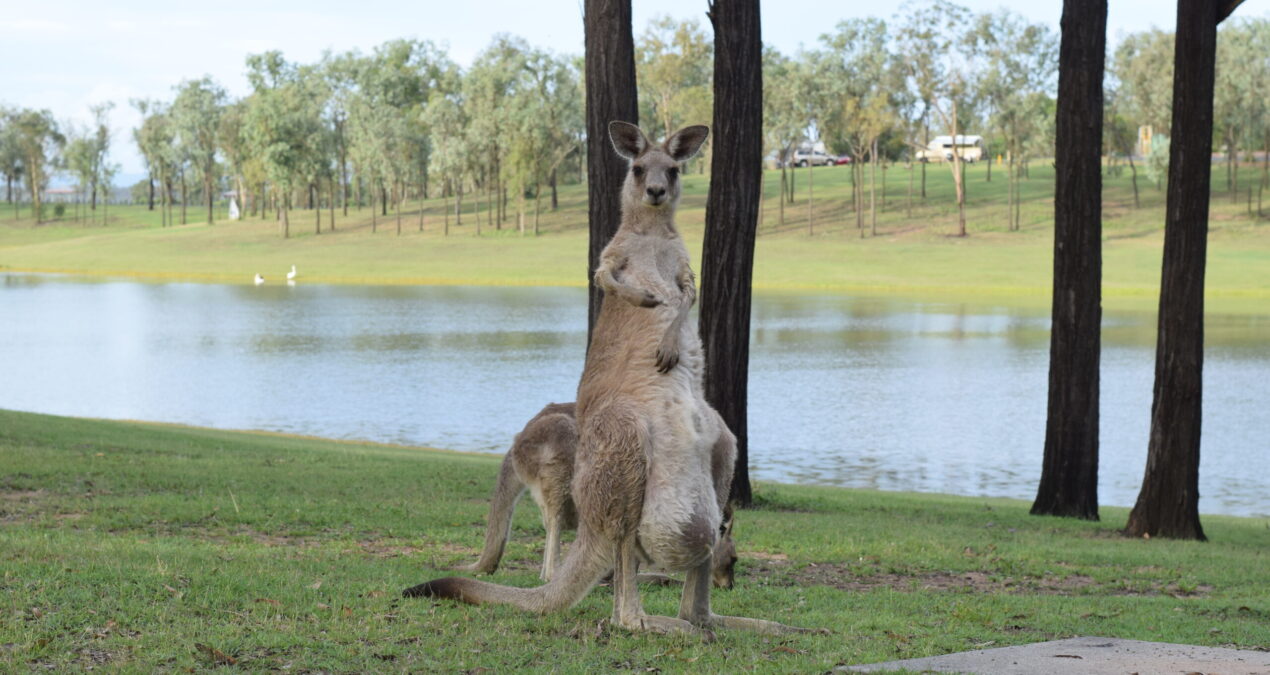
(628, 140)
(686, 142)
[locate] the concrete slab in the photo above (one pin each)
(1087, 656)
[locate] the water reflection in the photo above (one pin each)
(862, 392)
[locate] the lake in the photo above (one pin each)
(851, 391)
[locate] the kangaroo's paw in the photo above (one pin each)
(757, 625)
(656, 579)
(667, 354)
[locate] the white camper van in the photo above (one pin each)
(941, 149)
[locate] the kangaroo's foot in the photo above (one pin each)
(665, 625)
(756, 625)
(474, 568)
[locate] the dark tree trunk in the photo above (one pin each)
(150, 180)
(1069, 473)
(610, 95)
(727, 260)
(555, 199)
(1168, 505)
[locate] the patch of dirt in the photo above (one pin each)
(760, 555)
(778, 572)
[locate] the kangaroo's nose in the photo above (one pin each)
(656, 192)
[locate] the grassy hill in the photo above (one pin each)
(141, 548)
(912, 253)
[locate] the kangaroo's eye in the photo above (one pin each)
(673, 172)
(638, 171)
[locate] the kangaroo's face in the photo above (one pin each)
(723, 562)
(653, 177)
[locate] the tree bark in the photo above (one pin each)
(1168, 505)
(732, 220)
(610, 95)
(1069, 472)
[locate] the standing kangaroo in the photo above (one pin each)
(654, 461)
(541, 458)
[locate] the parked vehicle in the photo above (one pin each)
(941, 148)
(842, 159)
(808, 155)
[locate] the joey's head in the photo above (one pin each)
(653, 178)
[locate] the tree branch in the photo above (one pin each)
(1225, 8)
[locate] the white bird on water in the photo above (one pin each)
(291, 274)
(259, 279)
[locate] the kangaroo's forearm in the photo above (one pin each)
(609, 283)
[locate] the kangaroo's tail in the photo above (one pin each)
(588, 559)
(507, 491)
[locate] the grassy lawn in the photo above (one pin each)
(912, 253)
(141, 547)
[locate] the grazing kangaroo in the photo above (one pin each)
(654, 461)
(541, 458)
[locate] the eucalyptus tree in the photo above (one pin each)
(156, 140)
(547, 123)
(783, 122)
(77, 160)
(340, 72)
(1240, 100)
(446, 116)
(1069, 475)
(1019, 59)
(233, 144)
(856, 70)
(283, 125)
(940, 56)
(1143, 69)
(1168, 503)
(673, 66)
(611, 94)
(815, 104)
(10, 155)
(196, 115)
(490, 86)
(732, 209)
(39, 142)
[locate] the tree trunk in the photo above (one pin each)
(555, 199)
(207, 187)
(331, 205)
(445, 210)
(458, 208)
(1133, 171)
(537, 205)
(1069, 470)
(784, 187)
(286, 220)
(374, 213)
(1168, 505)
(150, 182)
(926, 145)
(185, 197)
(396, 205)
(873, 189)
(316, 203)
(811, 182)
(732, 220)
(610, 95)
(383, 199)
(423, 194)
(908, 208)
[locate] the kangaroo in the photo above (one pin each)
(654, 461)
(541, 458)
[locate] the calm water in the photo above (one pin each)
(848, 391)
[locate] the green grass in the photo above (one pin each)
(911, 254)
(125, 545)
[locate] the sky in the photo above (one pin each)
(65, 56)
